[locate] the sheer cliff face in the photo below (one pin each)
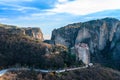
(98, 33)
(102, 36)
(32, 32)
(66, 35)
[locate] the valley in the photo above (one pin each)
(74, 51)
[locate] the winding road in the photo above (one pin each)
(2, 72)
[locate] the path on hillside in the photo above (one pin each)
(2, 72)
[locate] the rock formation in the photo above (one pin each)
(32, 32)
(102, 36)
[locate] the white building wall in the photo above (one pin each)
(82, 53)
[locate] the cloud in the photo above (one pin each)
(12, 1)
(83, 7)
(26, 5)
(20, 8)
(43, 13)
(16, 7)
(61, 1)
(3, 19)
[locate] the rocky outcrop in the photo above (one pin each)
(102, 37)
(32, 32)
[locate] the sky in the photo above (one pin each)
(51, 14)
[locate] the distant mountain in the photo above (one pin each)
(102, 36)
